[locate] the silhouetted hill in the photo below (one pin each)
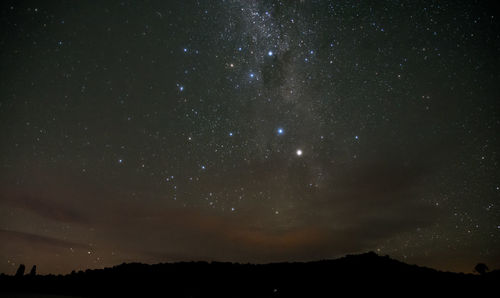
(357, 274)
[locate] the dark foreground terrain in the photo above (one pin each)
(354, 274)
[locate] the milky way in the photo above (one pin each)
(248, 131)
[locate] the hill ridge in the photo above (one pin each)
(357, 273)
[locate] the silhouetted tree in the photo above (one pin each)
(33, 271)
(481, 268)
(20, 270)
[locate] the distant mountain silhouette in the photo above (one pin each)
(357, 274)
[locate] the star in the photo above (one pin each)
(299, 152)
(270, 53)
(280, 131)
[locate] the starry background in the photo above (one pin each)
(248, 131)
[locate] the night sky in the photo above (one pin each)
(248, 131)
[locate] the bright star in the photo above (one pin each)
(252, 75)
(230, 134)
(270, 53)
(181, 88)
(120, 160)
(280, 131)
(203, 167)
(299, 152)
